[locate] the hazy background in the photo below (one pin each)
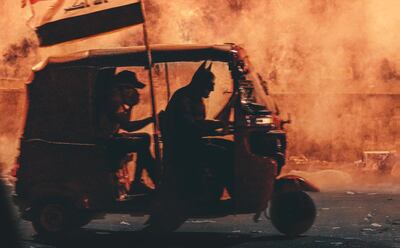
(332, 64)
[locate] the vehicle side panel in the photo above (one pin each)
(254, 176)
(77, 171)
(60, 105)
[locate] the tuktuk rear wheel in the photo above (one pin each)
(52, 218)
(292, 213)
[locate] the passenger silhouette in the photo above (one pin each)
(123, 98)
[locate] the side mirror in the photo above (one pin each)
(287, 121)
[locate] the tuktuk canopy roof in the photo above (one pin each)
(137, 55)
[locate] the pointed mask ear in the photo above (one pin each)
(203, 65)
(209, 67)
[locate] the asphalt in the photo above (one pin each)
(344, 219)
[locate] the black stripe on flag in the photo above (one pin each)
(89, 24)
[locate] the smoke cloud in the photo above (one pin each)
(332, 64)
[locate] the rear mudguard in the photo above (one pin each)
(292, 183)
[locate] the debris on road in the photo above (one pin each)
(351, 238)
(200, 221)
(368, 229)
(125, 223)
(376, 225)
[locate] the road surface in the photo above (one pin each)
(345, 219)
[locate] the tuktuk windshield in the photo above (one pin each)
(254, 92)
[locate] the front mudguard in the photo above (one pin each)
(293, 183)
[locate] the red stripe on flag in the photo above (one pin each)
(34, 1)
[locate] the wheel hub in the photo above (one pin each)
(53, 217)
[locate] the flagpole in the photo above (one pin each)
(167, 81)
(152, 93)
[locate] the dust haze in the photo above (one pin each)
(333, 65)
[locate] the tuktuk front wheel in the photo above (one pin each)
(52, 218)
(292, 213)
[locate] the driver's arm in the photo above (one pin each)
(203, 127)
(131, 126)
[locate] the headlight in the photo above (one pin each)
(266, 120)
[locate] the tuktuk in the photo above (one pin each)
(65, 178)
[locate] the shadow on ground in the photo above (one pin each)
(124, 239)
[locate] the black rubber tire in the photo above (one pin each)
(52, 217)
(292, 213)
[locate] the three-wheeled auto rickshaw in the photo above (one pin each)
(65, 177)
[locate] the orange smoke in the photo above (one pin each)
(332, 64)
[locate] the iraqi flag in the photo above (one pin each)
(57, 21)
